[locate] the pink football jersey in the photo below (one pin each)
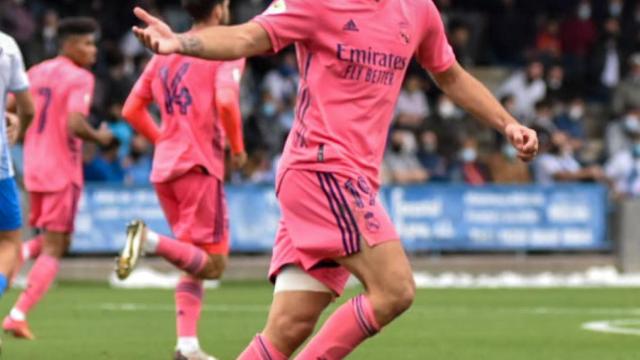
(353, 56)
(185, 90)
(53, 155)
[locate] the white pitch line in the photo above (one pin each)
(162, 307)
(613, 326)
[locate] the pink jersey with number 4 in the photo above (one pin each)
(53, 155)
(185, 90)
(352, 55)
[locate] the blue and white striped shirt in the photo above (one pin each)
(13, 78)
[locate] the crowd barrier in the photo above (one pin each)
(428, 217)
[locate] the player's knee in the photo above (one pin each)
(294, 329)
(397, 298)
(215, 268)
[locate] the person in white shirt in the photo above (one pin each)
(527, 87)
(624, 169)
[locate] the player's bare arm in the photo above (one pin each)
(214, 43)
(474, 97)
(80, 127)
(21, 104)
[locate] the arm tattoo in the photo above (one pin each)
(190, 45)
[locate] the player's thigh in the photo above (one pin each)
(9, 250)
(168, 203)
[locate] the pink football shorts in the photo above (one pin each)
(196, 209)
(326, 216)
(55, 211)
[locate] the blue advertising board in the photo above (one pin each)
(428, 217)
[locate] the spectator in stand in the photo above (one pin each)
(282, 82)
(572, 120)
(268, 123)
(103, 166)
(627, 94)
(401, 161)
(557, 87)
(527, 87)
(548, 42)
(120, 128)
(631, 29)
(137, 165)
(412, 108)
(557, 163)
(509, 30)
(614, 9)
(543, 116)
(606, 61)
(618, 132)
(469, 169)
(460, 39)
(505, 167)
(45, 42)
(624, 168)
(433, 162)
(579, 31)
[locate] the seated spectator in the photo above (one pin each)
(579, 31)
(469, 169)
(571, 122)
(606, 61)
(120, 128)
(557, 86)
(548, 42)
(401, 160)
(617, 133)
(627, 94)
(138, 164)
(433, 162)
(543, 116)
(527, 87)
(412, 108)
(282, 82)
(624, 168)
(103, 166)
(557, 163)
(460, 38)
(506, 168)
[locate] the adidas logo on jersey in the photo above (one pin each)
(350, 26)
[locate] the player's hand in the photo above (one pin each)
(13, 128)
(238, 160)
(104, 136)
(157, 36)
(525, 140)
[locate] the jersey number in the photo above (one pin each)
(45, 93)
(174, 92)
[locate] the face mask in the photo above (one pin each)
(576, 113)
(632, 124)
(584, 12)
(636, 150)
(615, 9)
(269, 109)
(509, 151)
(468, 155)
(446, 109)
(429, 148)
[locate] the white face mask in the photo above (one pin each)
(468, 155)
(632, 124)
(584, 11)
(446, 109)
(615, 9)
(576, 112)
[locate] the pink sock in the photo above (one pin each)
(183, 255)
(32, 248)
(188, 305)
(351, 324)
(42, 274)
(261, 349)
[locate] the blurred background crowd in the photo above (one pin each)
(570, 69)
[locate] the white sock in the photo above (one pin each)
(17, 315)
(188, 344)
(151, 244)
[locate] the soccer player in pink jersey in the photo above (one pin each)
(199, 104)
(62, 89)
(353, 55)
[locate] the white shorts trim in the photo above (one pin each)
(292, 278)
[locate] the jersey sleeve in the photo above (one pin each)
(19, 80)
(288, 21)
(229, 75)
(142, 88)
(81, 95)
(434, 52)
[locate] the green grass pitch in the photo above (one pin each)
(91, 321)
